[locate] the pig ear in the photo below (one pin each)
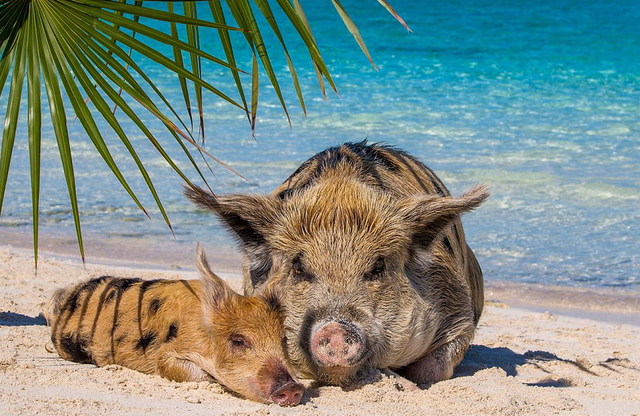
(430, 214)
(215, 291)
(246, 215)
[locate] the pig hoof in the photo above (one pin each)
(288, 395)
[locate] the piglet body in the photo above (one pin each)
(184, 330)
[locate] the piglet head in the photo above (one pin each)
(247, 342)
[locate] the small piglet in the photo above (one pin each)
(184, 330)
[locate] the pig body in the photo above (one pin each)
(366, 245)
(184, 330)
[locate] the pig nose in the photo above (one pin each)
(336, 344)
(288, 394)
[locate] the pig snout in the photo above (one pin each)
(288, 394)
(336, 343)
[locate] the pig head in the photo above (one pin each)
(366, 247)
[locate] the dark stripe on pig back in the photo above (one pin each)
(112, 290)
(70, 306)
(417, 169)
(369, 158)
(144, 286)
(114, 323)
(119, 286)
(189, 288)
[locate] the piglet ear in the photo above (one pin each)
(248, 216)
(215, 291)
(429, 215)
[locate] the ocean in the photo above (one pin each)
(538, 99)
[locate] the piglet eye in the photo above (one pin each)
(377, 270)
(239, 341)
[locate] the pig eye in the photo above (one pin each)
(239, 341)
(297, 270)
(377, 270)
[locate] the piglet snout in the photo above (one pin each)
(336, 343)
(288, 394)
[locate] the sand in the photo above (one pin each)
(538, 351)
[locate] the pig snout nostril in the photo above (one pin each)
(288, 395)
(336, 344)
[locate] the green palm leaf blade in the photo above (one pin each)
(242, 13)
(307, 38)
(75, 96)
(181, 71)
(135, 19)
(11, 116)
(393, 13)
(255, 90)
(12, 17)
(103, 108)
(225, 40)
(268, 14)
(151, 13)
(5, 65)
(34, 127)
(303, 18)
(121, 77)
(177, 56)
(101, 40)
(162, 60)
(136, 27)
(59, 122)
(193, 37)
(353, 29)
(139, 94)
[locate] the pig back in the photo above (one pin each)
(125, 321)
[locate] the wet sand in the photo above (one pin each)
(538, 351)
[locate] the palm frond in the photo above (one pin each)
(87, 56)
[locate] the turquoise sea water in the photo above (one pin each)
(541, 100)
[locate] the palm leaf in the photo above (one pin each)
(353, 29)
(34, 134)
(86, 55)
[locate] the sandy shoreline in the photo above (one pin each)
(581, 358)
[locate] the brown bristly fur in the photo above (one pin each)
(184, 330)
(319, 236)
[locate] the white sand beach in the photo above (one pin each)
(537, 351)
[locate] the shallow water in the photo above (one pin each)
(541, 100)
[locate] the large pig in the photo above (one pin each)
(184, 330)
(366, 244)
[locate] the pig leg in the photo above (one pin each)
(439, 364)
(180, 369)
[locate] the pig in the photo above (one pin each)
(183, 330)
(366, 244)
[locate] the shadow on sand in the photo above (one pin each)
(18, 319)
(480, 357)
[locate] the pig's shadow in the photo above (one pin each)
(18, 319)
(480, 357)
